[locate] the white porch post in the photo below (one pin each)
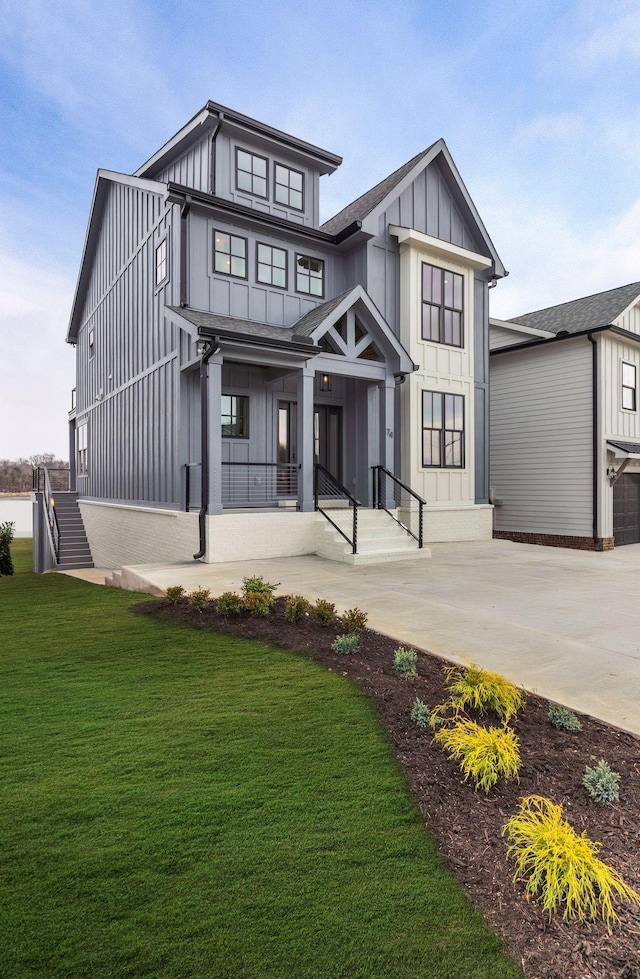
(305, 438)
(214, 382)
(387, 434)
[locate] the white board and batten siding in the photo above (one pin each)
(541, 439)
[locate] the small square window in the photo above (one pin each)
(272, 266)
(162, 262)
(629, 379)
(251, 173)
(235, 416)
(229, 254)
(289, 187)
(310, 275)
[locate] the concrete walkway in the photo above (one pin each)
(561, 623)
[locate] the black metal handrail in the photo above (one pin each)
(246, 484)
(380, 498)
(61, 483)
(51, 515)
(325, 484)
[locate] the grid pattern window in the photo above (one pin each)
(629, 386)
(162, 262)
(442, 306)
(235, 416)
(289, 187)
(442, 430)
(229, 254)
(310, 275)
(272, 266)
(252, 173)
(82, 442)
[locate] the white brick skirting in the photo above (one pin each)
(120, 535)
(252, 535)
(464, 523)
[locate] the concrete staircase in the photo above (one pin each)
(380, 538)
(74, 546)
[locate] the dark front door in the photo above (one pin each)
(626, 509)
(327, 438)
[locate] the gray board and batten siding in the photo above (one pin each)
(542, 439)
(128, 377)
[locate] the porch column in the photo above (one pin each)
(306, 379)
(214, 390)
(387, 432)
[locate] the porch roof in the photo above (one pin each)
(234, 328)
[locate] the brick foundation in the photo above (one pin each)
(555, 540)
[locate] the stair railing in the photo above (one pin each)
(326, 486)
(50, 514)
(387, 487)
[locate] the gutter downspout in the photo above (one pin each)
(212, 347)
(184, 214)
(595, 441)
(213, 152)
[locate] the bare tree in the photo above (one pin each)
(16, 475)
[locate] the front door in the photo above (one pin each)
(327, 438)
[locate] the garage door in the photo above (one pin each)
(626, 509)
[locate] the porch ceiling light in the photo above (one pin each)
(325, 382)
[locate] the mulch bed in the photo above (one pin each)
(468, 824)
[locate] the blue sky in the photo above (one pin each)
(539, 103)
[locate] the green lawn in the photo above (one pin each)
(178, 804)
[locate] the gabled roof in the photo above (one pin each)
(363, 205)
(104, 180)
(368, 206)
(600, 309)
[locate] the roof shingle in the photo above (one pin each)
(601, 309)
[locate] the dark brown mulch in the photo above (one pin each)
(468, 824)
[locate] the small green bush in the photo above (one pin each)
(199, 598)
(325, 612)
(7, 533)
(483, 691)
(601, 783)
(258, 584)
(354, 620)
(258, 603)
(296, 607)
(561, 866)
(229, 603)
(404, 662)
(422, 716)
(561, 717)
(174, 593)
(345, 644)
(485, 754)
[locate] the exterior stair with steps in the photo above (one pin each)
(74, 546)
(380, 538)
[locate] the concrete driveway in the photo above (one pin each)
(562, 623)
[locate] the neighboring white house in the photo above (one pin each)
(565, 423)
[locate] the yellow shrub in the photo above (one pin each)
(485, 754)
(561, 866)
(483, 691)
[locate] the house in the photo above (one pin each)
(565, 426)
(240, 365)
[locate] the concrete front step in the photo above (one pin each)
(379, 539)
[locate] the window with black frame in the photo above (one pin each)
(442, 306)
(629, 381)
(289, 187)
(272, 265)
(230, 254)
(234, 409)
(252, 173)
(442, 430)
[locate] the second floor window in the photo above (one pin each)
(162, 262)
(251, 173)
(310, 275)
(289, 187)
(272, 266)
(442, 293)
(442, 430)
(229, 254)
(629, 386)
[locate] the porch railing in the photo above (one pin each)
(50, 513)
(390, 493)
(331, 497)
(59, 479)
(247, 484)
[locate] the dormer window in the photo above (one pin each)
(252, 173)
(289, 187)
